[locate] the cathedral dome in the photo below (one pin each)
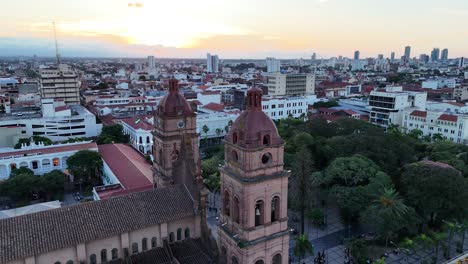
(253, 128)
(174, 103)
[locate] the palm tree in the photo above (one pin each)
(387, 212)
(462, 227)
(450, 226)
(437, 237)
(408, 246)
(303, 247)
(219, 131)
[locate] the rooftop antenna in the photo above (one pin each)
(56, 45)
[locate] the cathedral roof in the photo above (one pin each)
(251, 127)
(46, 231)
(174, 103)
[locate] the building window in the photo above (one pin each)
(144, 244)
(154, 242)
(135, 248)
(234, 138)
(56, 162)
(276, 259)
(171, 237)
(234, 260)
(70, 262)
(103, 256)
(236, 210)
(266, 158)
(115, 253)
(275, 209)
(187, 233)
(93, 259)
(35, 165)
(179, 234)
(226, 203)
(259, 215)
(266, 140)
(259, 262)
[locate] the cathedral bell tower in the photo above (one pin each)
(175, 149)
(253, 226)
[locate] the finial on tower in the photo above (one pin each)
(254, 99)
(173, 85)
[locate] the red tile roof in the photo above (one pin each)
(456, 104)
(61, 108)
(210, 92)
(214, 107)
(419, 113)
(135, 124)
(447, 117)
(128, 165)
(51, 149)
(327, 110)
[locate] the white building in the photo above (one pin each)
(439, 83)
(139, 130)
(290, 83)
(212, 63)
(448, 107)
(273, 65)
(453, 127)
(283, 107)
(216, 122)
(386, 104)
(39, 158)
(5, 107)
(60, 83)
(209, 97)
(151, 62)
(57, 122)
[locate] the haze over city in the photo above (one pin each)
(232, 29)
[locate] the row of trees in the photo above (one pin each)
(23, 186)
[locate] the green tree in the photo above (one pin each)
(22, 187)
(218, 131)
(210, 173)
(52, 184)
(21, 170)
(358, 249)
(387, 213)
(436, 190)
(438, 238)
(303, 247)
(112, 134)
(36, 139)
(301, 183)
(85, 166)
(415, 133)
(2, 109)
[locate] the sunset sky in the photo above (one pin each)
(233, 28)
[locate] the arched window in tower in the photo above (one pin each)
(226, 203)
(234, 156)
(276, 259)
(93, 259)
(160, 156)
(115, 253)
(103, 256)
(135, 248)
(179, 234)
(140, 140)
(147, 140)
(260, 261)
(171, 237)
(266, 140)
(259, 213)
(275, 209)
(187, 233)
(234, 260)
(266, 158)
(154, 242)
(144, 244)
(234, 138)
(235, 210)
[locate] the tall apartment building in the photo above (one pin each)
(392, 56)
(460, 93)
(60, 83)
(386, 104)
(407, 52)
(151, 62)
(289, 106)
(212, 63)
(356, 55)
(444, 55)
(273, 65)
(290, 84)
(435, 54)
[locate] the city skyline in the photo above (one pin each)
(186, 30)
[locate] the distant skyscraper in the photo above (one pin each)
(314, 56)
(392, 56)
(151, 62)
(444, 55)
(423, 58)
(212, 63)
(356, 55)
(407, 52)
(435, 54)
(273, 65)
(380, 56)
(461, 62)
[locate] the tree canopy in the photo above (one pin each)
(85, 166)
(112, 134)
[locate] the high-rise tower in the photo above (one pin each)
(253, 225)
